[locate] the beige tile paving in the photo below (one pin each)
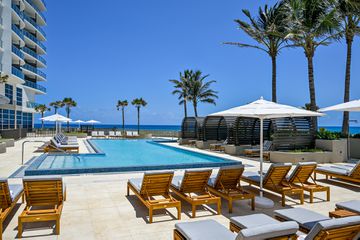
(97, 206)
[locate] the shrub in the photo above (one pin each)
(356, 135)
(327, 135)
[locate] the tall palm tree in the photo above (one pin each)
(56, 105)
(312, 23)
(268, 29)
(42, 108)
(349, 12)
(68, 103)
(121, 105)
(138, 103)
(200, 91)
(182, 88)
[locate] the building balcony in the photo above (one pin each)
(18, 31)
(35, 40)
(17, 52)
(17, 11)
(41, 4)
(34, 55)
(35, 25)
(36, 9)
(35, 86)
(17, 72)
(32, 104)
(34, 70)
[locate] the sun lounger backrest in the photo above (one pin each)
(267, 145)
(129, 133)
(54, 143)
(277, 173)
(94, 133)
(118, 133)
(5, 199)
(302, 172)
(43, 191)
(195, 180)
(156, 183)
(355, 172)
(111, 133)
(228, 177)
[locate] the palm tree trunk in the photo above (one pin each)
(68, 116)
(312, 89)
(345, 125)
(138, 112)
(274, 95)
(42, 121)
(185, 108)
(195, 108)
(123, 119)
(55, 109)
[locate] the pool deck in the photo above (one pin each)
(97, 206)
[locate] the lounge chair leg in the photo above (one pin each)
(253, 204)
(219, 207)
(57, 227)
(311, 196)
(1, 230)
(193, 210)
(328, 194)
(302, 198)
(230, 205)
(150, 215)
(283, 199)
(20, 228)
(23, 198)
(179, 212)
(128, 191)
(315, 176)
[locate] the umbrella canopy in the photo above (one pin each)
(56, 118)
(79, 121)
(92, 121)
(263, 109)
(352, 106)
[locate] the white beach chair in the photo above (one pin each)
(118, 134)
(94, 134)
(112, 134)
(101, 134)
(129, 133)
(135, 134)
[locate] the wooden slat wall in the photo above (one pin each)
(191, 127)
(218, 128)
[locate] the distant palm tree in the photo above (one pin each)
(121, 105)
(268, 29)
(56, 105)
(182, 88)
(68, 103)
(349, 12)
(312, 23)
(42, 108)
(138, 103)
(200, 91)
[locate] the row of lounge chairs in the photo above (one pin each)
(44, 198)
(197, 187)
(114, 134)
(349, 172)
(60, 142)
(284, 226)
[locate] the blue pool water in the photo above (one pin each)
(125, 155)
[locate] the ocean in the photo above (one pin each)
(353, 130)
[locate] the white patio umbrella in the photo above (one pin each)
(57, 118)
(79, 122)
(263, 109)
(92, 122)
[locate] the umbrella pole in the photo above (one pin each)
(261, 155)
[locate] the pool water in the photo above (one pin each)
(128, 155)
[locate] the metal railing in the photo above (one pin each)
(34, 39)
(35, 86)
(17, 52)
(17, 72)
(32, 22)
(34, 70)
(30, 104)
(17, 10)
(36, 9)
(18, 31)
(34, 54)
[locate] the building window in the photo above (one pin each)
(8, 119)
(27, 120)
(9, 92)
(18, 119)
(19, 96)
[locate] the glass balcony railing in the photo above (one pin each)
(34, 70)
(36, 9)
(17, 10)
(32, 22)
(17, 52)
(32, 104)
(34, 54)
(18, 31)
(17, 72)
(35, 40)
(35, 86)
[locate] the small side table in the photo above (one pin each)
(341, 213)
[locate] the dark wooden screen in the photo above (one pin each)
(191, 127)
(218, 128)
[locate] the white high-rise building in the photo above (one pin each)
(21, 56)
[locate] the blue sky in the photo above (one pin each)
(102, 51)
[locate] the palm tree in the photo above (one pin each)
(349, 12)
(42, 108)
(4, 79)
(138, 103)
(269, 31)
(68, 103)
(200, 91)
(56, 105)
(312, 23)
(121, 105)
(182, 88)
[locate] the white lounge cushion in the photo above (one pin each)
(269, 231)
(15, 190)
(340, 171)
(253, 220)
(176, 182)
(204, 230)
(304, 217)
(136, 183)
(253, 176)
(352, 206)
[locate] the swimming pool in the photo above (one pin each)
(124, 155)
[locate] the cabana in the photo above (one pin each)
(191, 128)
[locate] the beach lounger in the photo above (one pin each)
(118, 134)
(112, 134)
(255, 152)
(192, 187)
(9, 196)
(67, 138)
(135, 134)
(351, 206)
(63, 140)
(44, 201)
(94, 134)
(227, 185)
(129, 133)
(220, 147)
(275, 180)
(154, 184)
(301, 177)
(352, 175)
(54, 146)
(101, 134)
(212, 230)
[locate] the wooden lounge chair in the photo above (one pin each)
(192, 188)
(352, 175)
(151, 185)
(44, 201)
(275, 180)
(255, 152)
(346, 209)
(212, 230)
(54, 146)
(301, 176)
(227, 185)
(9, 196)
(219, 147)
